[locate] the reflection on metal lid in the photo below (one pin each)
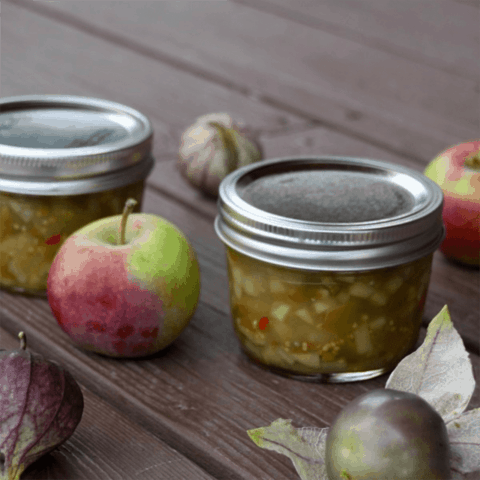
(68, 140)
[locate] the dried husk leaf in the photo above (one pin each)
(440, 371)
(41, 404)
(304, 446)
(248, 150)
(464, 436)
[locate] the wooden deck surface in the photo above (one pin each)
(394, 80)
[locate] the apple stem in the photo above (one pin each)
(129, 206)
(23, 340)
(473, 161)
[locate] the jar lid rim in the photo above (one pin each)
(88, 136)
(303, 243)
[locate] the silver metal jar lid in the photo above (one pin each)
(330, 213)
(69, 145)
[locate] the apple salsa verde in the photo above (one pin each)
(329, 262)
(65, 161)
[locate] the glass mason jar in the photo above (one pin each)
(329, 262)
(65, 161)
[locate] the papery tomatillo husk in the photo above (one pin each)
(213, 147)
(41, 404)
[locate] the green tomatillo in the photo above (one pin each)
(389, 435)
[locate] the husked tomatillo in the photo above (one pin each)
(389, 435)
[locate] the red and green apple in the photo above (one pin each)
(457, 172)
(124, 292)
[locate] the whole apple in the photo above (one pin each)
(124, 292)
(457, 172)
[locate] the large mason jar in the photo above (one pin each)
(329, 262)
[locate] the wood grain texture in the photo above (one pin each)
(71, 61)
(440, 33)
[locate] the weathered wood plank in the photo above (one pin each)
(439, 33)
(472, 3)
(390, 101)
(107, 445)
(73, 62)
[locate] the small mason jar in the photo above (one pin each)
(65, 161)
(329, 262)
